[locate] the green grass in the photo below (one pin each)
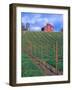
(53, 63)
(43, 46)
(29, 68)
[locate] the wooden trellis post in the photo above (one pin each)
(56, 57)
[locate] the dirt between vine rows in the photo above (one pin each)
(47, 69)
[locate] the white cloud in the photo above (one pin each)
(24, 19)
(46, 21)
(27, 19)
(32, 20)
(37, 16)
(40, 19)
(35, 29)
(55, 19)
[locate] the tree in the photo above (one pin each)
(27, 26)
(23, 27)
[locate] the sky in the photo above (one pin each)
(39, 20)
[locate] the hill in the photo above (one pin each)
(45, 46)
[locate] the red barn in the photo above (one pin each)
(48, 28)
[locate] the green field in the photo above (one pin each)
(29, 68)
(41, 45)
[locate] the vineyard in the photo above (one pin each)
(42, 53)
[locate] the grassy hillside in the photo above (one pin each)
(29, 68)
(42, 45)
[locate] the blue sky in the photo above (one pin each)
(38, 20)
